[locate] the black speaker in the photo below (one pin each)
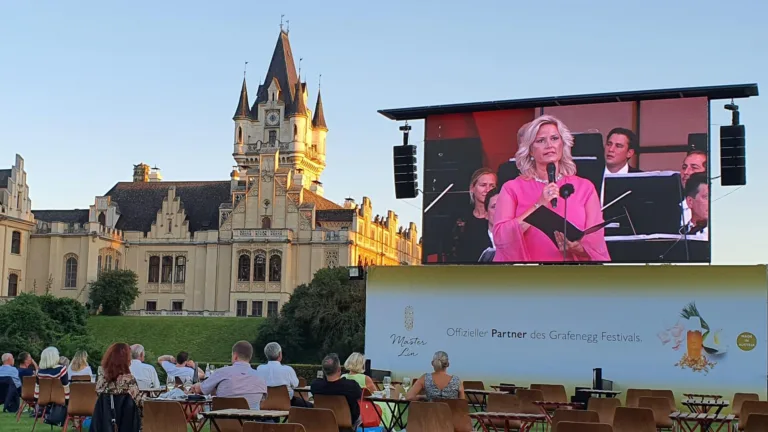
(733, 156)
(406, 184)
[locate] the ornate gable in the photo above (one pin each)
(171, 219)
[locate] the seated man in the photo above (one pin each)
(146, 375)
(8, 370)
(277, 374)
(180, 366)
(238, 380)
(27, 365)
(334, 385)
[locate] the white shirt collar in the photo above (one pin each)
(623, 170)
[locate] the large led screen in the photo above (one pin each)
(619, 182)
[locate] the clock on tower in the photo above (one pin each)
(273, 117)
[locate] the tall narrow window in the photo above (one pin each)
(295, 133)
(167, 269)
(13, 285)
(98, 265)
(272, 137)
(170, 226)
(260, 268)
(70, 273)
(271, 308)
(239, 135)
(102, 219)
(16, 243)
(266, 222)
(242, 308)
(109, 263)
(154, 269)
(181, 269)
(244, 268)
(275, 267)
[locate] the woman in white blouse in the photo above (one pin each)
(79, 365)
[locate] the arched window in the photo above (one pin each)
(102, 219)
(244, 268)
(167, 269)
(275, 267)
(13, 285)
(260, 268)
(239, 135)
(109, 263)
(70, 272)
(295, 132)
(170, 226)
(266, 222)
(272, 137)
(98, 265)
(16, 243)
(154, 269)
(181, 269)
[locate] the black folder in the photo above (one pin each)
(547, 221)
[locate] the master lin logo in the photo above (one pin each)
(408, 318)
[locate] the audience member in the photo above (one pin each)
(117, 378)
(180, 366)
(146, 375)
(334, 385)
(277, 374)
(238, 380)
(8, 370)
(64, 362)
(79, 365)
(437, 385)
(50, 368)
(27, 365)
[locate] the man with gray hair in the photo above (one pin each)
(146, 375)
(335, 385)
(277, 374)
(8, 370)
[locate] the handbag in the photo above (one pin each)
(370, 413)
(55, 415)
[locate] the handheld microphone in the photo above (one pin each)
(551, 175)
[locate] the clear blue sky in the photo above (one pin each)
(89, 88)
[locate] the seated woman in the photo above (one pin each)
(79, 366)
(355, 366)
(437, 385)
(546, 142)
(51, 369)
(121, 390)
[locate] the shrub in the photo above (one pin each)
(114, 292)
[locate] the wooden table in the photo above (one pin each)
(397, 407)
(692, 422)
(702, 396)
(548, 407)
(601, 393)
(154, 392)
(511, 389)
(243, 416)
(487, 420)
(705, 406)
(192, 409)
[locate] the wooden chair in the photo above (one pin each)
(568, 426)
(474, 385)
(527, 399)
(552, 392)
(668, 395)
(751, 407)
(51, 391)
(573, 416)
(634, 395)
(604, 407)
(82, 400)
(629, 419)
(277, 399)
(429, 417)
(302, 382)
(164, 417)
(340, 408)
(459, 414)
(757, 423)
(272, 427)
(222, 403)
(313, 419)
(504, 403)
(27, 395)
(739, 399)
(87, 378)
(660, 408)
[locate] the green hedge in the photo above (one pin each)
(306, 371)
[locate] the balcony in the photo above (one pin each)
(263, 235)
(143, 312)
(330, 236)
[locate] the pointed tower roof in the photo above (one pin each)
(282, 68)
(299, 104)
(318, 121)
(242, 111)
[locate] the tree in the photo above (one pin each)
(114, 291)
(327, 315)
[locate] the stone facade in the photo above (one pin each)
(236, 247)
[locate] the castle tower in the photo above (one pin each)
(141, 173)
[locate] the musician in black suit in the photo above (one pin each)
(697, 198)
(621, 144)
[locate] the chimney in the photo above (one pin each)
(155, 175)
(141, 173)
(316, 187)
(349, 203)
(298, 177)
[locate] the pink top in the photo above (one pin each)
(519, 195)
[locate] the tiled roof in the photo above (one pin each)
(139, 203)
(65, 216)
(320, 202)
(318, 120)
(4, 176)
(242, 111)
(343, 215)
(282, 68)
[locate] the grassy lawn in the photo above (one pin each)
(206, 339)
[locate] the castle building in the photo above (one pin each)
(236, 247)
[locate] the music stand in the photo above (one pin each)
(653, 204)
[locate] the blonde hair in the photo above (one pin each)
(49, 358)
(526, 137)
(355, 363)
(79, 361)
(440, 361)
(474, 179)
